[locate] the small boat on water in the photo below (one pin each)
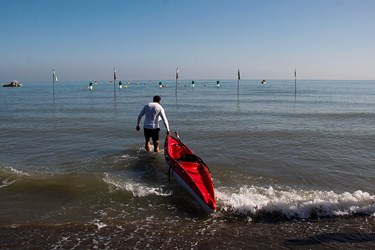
(190, 172)
(13, 83)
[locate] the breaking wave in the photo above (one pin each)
(257, 201)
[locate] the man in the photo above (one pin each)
(153, 113)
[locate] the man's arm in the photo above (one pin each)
(165, 120)
(141, 114)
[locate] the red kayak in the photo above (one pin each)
(190, 171)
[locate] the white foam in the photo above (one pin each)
(128, 157)
(137, 189)
(143, 150)
(295, 203)
(99, 224)
(6, 182)
(17, 172)
(11, 179)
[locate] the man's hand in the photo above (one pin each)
(137, 128)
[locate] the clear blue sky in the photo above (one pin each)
(206, 39)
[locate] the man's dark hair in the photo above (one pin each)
(156, 98)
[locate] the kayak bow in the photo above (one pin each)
(190, 171)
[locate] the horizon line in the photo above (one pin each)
(182, 80)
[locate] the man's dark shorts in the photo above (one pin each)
(152, 133)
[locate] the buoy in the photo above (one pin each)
(192, 84)
(218, 84)
(160, 84)
(90, 86)
(120, 85)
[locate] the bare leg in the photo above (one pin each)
(156, 146)
(147, 145)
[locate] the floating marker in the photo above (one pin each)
(192, 84)
(120, 85)
(90, 86)
(160, 84)
(218, 84)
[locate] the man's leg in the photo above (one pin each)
(155, 140)
(147, 138)
(147, 144)
(156, 146)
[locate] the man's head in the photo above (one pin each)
(156, 99)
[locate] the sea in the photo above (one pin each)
(292, 162)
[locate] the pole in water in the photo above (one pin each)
(114, 82)
(176, 79)
(295, 81)
(238, 82)
(54, 78)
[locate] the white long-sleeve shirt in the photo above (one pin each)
(153, 113)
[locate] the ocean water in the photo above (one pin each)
(290, 171)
